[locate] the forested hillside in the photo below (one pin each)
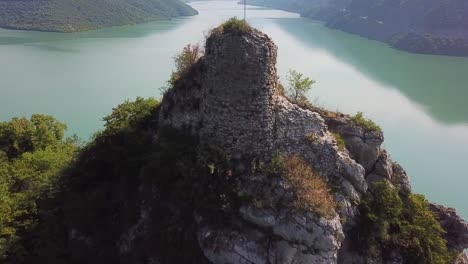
(420, 26)
(80, 15)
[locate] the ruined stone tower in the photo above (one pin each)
(240, 86)
(231, 100)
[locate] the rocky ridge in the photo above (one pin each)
(195, 181)
(242, 111)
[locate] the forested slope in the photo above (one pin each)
(80, 15)
(419, 26)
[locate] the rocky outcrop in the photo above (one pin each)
(198, 182)
(454, 225)
(242, 111)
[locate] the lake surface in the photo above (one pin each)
(420, 101)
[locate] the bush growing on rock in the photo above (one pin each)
(339, 141)
(361, 121)
(394, 221)
(184, 61)
(233, 25)
(129, 114)
(299, 85)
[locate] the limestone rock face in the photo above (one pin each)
(241, 111)
(230, 99)
(454, 225)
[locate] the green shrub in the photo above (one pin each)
(129, 115)
(233, 25)
(299, 85)
(184, 62)
(423, 237)
(33, 154)
(405, 223)
(368, 124)
(21, 135)
(339, 141)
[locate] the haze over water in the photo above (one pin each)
(418, 100)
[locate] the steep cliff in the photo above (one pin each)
(419, 26)
(227, 170)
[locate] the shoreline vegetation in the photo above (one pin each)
(82, 15)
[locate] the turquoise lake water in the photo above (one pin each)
(418, 100)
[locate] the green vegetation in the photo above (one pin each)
(80, 15)
(184, 62)
(363, 122)
(313, 193)
(435, 31)
(339, 141)
(32, 154)
(298, 87)
(49, 184)
(102, 189)
(129, 115)
(233, 25)
(394, 221)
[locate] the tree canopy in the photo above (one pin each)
(32, 154)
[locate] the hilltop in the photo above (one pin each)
(81, 15)
(419, 26)
(225, 169)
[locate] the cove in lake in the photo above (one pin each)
(418, 100)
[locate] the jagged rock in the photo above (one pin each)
(454, 225)
(242, 111)
(364, 147)
(383, 166)
(229, 99)
(400, 178)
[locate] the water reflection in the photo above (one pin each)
(16, 37)
(437, 83)
(432, 150)
(413, 97)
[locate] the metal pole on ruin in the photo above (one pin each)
(245, 10)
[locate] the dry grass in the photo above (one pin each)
(313, 193)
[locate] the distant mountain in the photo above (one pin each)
(419, 26)
(81, 15)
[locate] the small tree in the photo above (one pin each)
(184, 61)
(298, 86)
